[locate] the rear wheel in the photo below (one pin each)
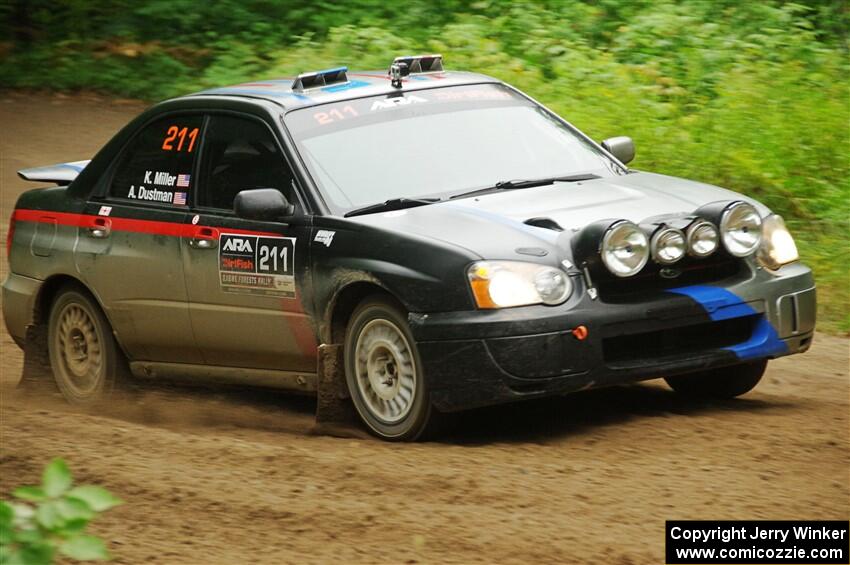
(384, 373)
(83, 353)
(724, 382)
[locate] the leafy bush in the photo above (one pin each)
(52, 520)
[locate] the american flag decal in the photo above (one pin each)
(179, 198)
(183, 181)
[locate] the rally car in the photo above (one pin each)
(459, 243)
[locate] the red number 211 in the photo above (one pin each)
(173, 133)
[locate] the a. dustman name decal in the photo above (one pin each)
(165, 179)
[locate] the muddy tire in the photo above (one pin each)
(384, 374)
(724, 382)
(84, 356)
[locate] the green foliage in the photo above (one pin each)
(33, 534)
(752, 96)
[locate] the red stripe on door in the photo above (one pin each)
(154, 227)
(301, 328)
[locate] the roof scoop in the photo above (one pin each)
(542, 222)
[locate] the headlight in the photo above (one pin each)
(668, 245)
(777, 246)
(702, 238)
(740, 228)
(502, 284)
(625, 249)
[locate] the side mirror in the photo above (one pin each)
(621, 147)
(262, 204)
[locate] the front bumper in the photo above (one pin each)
(482, 357)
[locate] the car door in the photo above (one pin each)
(129, 243)
(245, 278)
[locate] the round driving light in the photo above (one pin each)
(702, 239)
(740, 229)
(553, 285)
(668, 245)
(625, 249)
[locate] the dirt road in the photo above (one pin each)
(226, 477)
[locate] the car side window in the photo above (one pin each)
(156, 167)
(240, 154)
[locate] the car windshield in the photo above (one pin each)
(436, 142)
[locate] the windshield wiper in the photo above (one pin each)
(526, 183)
(392, 204)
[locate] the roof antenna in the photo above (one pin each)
(395, 74)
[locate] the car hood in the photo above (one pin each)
(493, 225)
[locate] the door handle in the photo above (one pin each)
(100, 228)
(204, 238)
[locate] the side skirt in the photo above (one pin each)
(267, 378)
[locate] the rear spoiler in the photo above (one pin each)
(60, 173)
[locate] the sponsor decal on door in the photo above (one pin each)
(257, 264)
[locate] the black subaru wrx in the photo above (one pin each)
(457, 243)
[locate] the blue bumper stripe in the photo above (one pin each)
(720, 304)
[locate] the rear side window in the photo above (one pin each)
(156, 168)
(240, 154)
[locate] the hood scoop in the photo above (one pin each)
(543, 222)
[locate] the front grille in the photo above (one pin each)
(680, 341)
(690, 272)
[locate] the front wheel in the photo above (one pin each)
(83, 353)
(384, 373)
(723, 382)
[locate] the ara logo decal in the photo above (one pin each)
(253, 264)
(238, 244)
(395, 102)
(324, 236)
(104, 211)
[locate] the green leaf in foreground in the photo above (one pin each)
(6, 514)
(35, 494)
(48, 517)
(73, 509)
(36, 554)
(50, 520)
(73, 527)
(23, 513)
(84, 548)
(57, 478)
(98, 498)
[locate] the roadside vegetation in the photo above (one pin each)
(48, 521)
(752, 96)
